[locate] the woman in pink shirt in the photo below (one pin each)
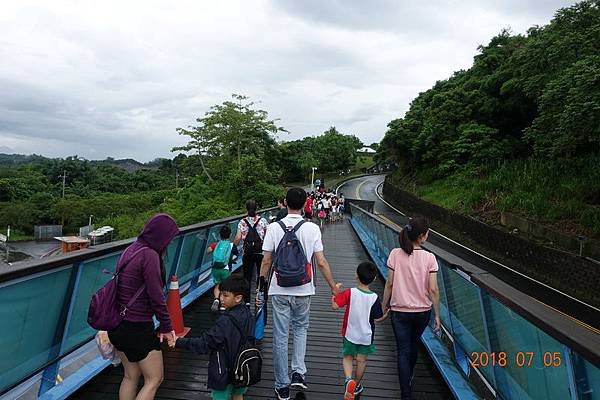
(410, 291)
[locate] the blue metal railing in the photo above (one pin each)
(43, 306)
(517, 359)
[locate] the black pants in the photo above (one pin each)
(251, 262)
(408, 328)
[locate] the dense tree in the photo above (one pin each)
(229, 131)
(534, 95)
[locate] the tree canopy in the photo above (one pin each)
(535, 95)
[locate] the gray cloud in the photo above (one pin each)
(116, 78)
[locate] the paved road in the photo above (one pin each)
(365, 188)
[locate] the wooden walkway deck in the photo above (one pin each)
(185, 373)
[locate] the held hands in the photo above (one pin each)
(385, 316)
(334, 305)
(171, 338)
(335, 290)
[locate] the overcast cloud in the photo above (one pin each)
(115, 78)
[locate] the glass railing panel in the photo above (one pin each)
(444, 312)
(466, 317)
(91, 279)
(536, 367)
(587, 379)
(170, 254)
(30, 319)
(212, 235)
(194, 243)
(391, 238)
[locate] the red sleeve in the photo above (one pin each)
(343, 299)
(212, 246)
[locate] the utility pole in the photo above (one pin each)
(7, 249)
(64, 178)
(176, 178)
(312, 181)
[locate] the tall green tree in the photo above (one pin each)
(229, 131)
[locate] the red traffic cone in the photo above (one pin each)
(174, 307)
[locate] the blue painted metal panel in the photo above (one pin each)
(77, 380)
(445, 363)
(50, 373)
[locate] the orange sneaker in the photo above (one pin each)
(350, 388)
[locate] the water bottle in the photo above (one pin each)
(260, 298)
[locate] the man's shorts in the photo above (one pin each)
(219, 274)
(228, 392)
(352, 349)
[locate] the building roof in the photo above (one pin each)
(367, 150)
(71, 239)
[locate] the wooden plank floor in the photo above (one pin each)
(185, 373)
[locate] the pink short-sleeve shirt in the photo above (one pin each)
(410, 290)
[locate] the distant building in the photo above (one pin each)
(366, 151)
(72, 243)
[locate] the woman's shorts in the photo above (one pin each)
(352, 349)
(228, 392)
(135, 339)
(219, 274)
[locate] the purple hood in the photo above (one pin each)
(158, 232)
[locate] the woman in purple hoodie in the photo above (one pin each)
(134, 338)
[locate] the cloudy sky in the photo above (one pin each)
(115, 78)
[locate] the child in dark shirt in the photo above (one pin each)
(223, 340)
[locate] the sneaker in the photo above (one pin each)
(359, 389)
(298, 381)
(215, 306)
(283, 393)
(350, 389)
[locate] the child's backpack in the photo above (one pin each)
(247, 366)
(252, 243)
(222, 254)
(290, 263)
(322, 214)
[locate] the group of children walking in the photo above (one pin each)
(326, 206)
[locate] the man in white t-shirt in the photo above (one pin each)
(292, 304)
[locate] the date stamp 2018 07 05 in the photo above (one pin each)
(519, 359)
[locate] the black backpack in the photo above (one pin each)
(252, 243)
(247, 365)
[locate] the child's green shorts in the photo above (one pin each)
(219, 274)
(227, 393)
(352, 349)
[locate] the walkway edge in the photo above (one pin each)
(440, 355)
(86, 373)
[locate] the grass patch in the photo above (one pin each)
(363, 162)
(18, 236)
(564, 193)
